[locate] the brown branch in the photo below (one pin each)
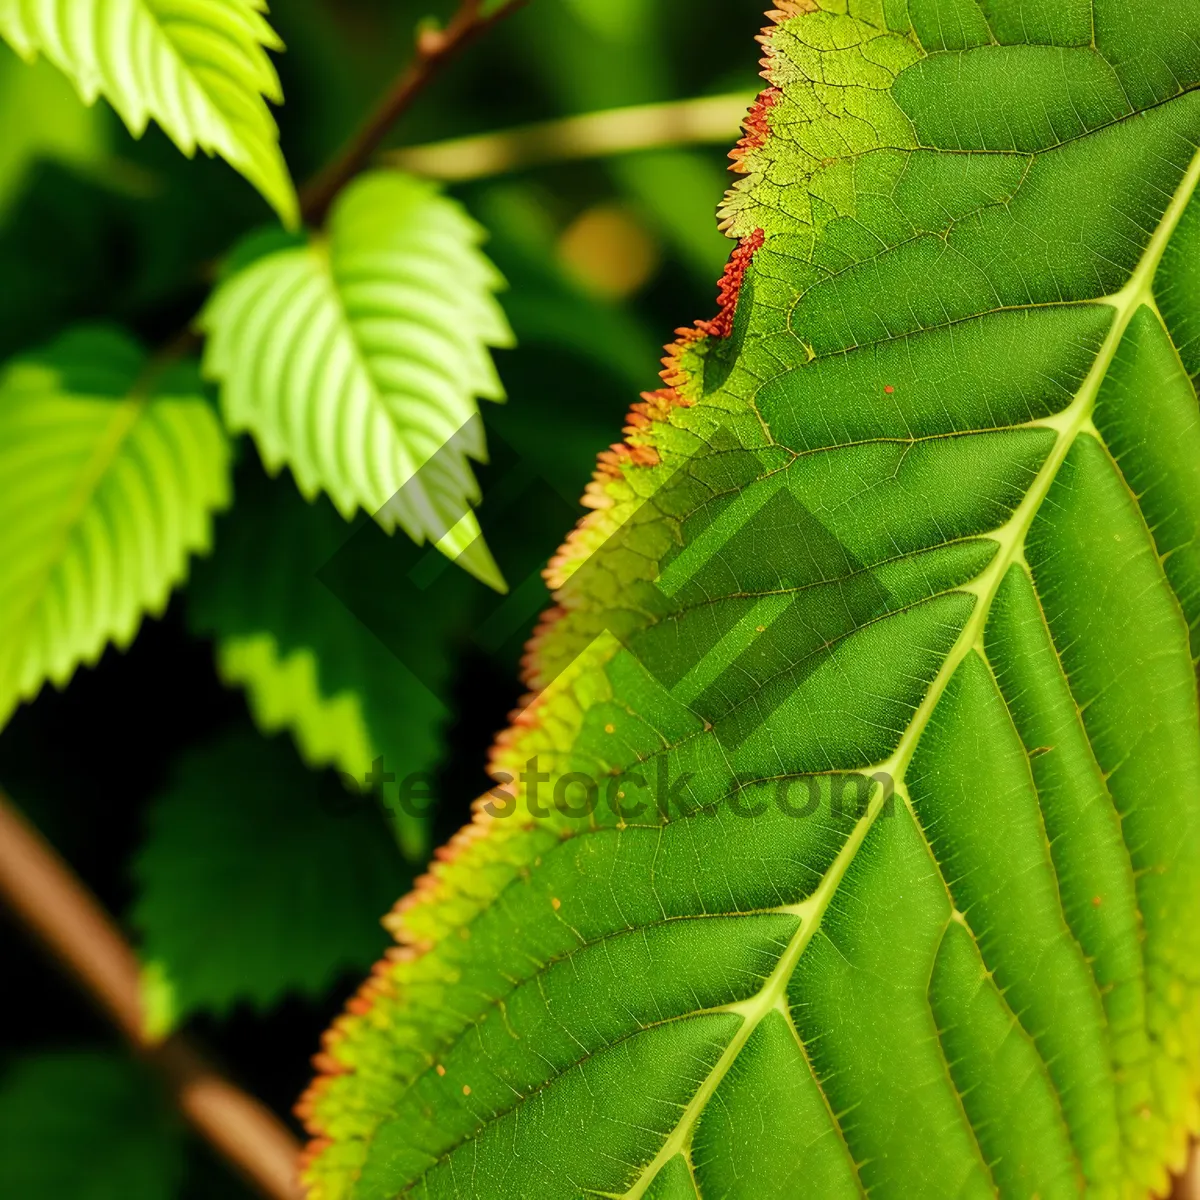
(52, 902)
(434, 49)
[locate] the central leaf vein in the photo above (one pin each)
(1068, 425)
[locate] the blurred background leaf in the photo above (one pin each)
(258, 877)
(308, 663)
(42, 118)
(86, 1125)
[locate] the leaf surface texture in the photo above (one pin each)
(885, 626)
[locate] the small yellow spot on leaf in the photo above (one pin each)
(556, 903)
(440, 1069)
(466, 1089)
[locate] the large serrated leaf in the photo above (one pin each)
(107, 490)
(356, 360)
(876, 663)
(197, 67)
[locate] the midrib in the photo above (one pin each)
(104, 454)
(1067, 425)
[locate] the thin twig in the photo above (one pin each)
(708, 119)
(434, 49)
(52, 902)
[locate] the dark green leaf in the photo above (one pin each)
(320, 624)
(86, 1126)
(258, 878)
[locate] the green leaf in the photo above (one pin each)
(876, 665)
(41, 118)
(257, 878)
(284, 692)
(80, 1125)
(356, 361)
(308, 662)
(197, 67)
(108, 488)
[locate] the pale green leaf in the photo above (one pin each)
(86, 1125)
(107, 491)
(356, 360)
(850, 843)
(197, 67)
(284, 693)
(257, 879)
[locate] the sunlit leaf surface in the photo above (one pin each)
(197, 67)
(356, 360)
(110, 483)
(875, 664)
